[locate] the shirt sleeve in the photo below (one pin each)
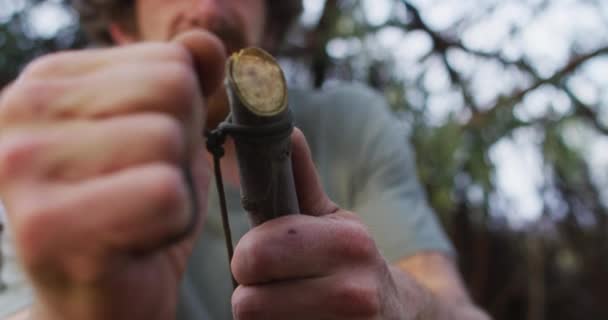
(15, 294)
(384, 188)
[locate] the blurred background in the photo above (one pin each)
(506, 102)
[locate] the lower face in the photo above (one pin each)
(238, 23)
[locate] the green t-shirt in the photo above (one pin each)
(366, 166)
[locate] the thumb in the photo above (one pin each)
(311, 196)
(208, 56)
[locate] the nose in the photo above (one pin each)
(207, 13)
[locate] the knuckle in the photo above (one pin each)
(42, 65)
(17, 153)
(178, 81)
(251, 261)
(356, 241)
(178, 77)
(169, 137)
(22, 99)
(169, 189)
(357, 300)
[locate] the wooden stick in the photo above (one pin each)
(257, 91)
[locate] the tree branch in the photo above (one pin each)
(556, 79)
(585, 111)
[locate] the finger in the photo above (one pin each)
(311, 196)
(77, 63)
(300, 246)
(135, 210)
(209, 57)
(165, 87)
(46, 79)
(352, 297)
(78, 150)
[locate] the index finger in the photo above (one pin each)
(204, 51)
(208, 58)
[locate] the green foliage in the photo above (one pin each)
(440, 157)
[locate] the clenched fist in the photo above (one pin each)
(93, 149)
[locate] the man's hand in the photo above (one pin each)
(93, 146)
(322, 264)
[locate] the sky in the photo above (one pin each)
(544, 38)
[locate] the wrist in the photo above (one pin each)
(412, 300)
(417, 302)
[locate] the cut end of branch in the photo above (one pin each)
(259, 81)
